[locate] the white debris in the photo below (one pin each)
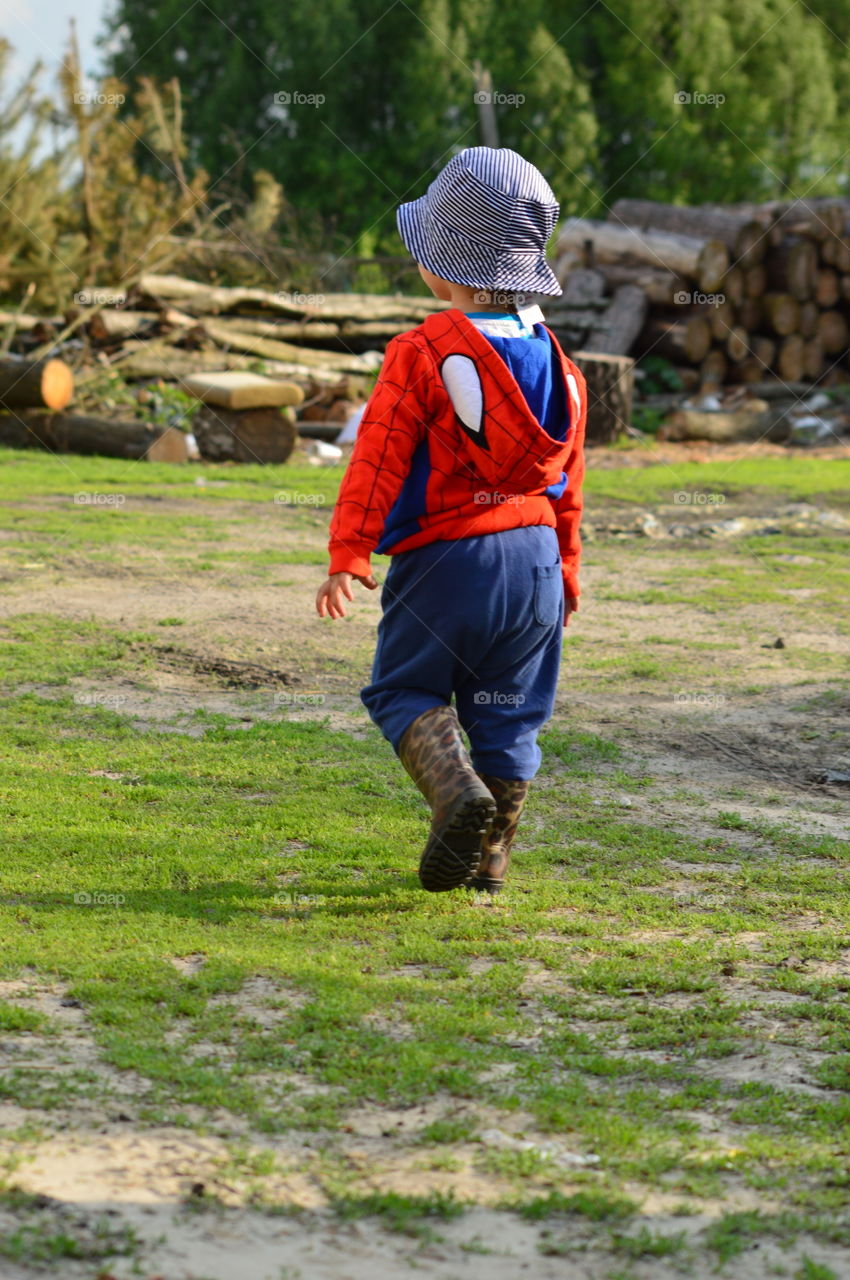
(322, 454)
(349, 432)
(547, 1150)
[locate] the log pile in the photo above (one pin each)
(320, 352)
(732, 295)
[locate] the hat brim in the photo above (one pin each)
(418, 239)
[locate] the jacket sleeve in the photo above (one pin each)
(392, 425)
(568, 508)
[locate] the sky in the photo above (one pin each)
(39, 29)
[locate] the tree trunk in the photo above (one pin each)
(721, 319)
(827, 288)
(755, 281)
(227, 335)
(816, 218)
(791, 360)
(583, 284)
(833, 332)
(202, 299)
(712, 265)
(75, 433)
(108, 324)
(611, 243)
(713, 369)
(159, 360)
(733, 286)
(659, 286)
(246, 435)
(737, 344)
(610, 387)
(809, 316)
(750, 313)
(700, 222)
(685, 341)
(749, 371)
(792, 268)
(814, 361)
(616, 329)
(782, 313)
(743, 424)
(40, 384)
(764, 350)
(750, 245)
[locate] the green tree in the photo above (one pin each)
(769, 63)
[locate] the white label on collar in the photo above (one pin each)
(530, 316)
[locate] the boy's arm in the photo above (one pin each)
(569, 506)
(392, 426)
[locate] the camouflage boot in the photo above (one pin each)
(433, 753)
(510, 797)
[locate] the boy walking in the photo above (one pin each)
(467, 470)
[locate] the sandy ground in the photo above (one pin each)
(94, 1170)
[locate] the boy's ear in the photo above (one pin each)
(440, 288)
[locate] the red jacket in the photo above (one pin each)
(474, 477)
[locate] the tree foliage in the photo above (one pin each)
(290, 129)
(589, 93)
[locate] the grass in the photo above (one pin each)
(595, 1004)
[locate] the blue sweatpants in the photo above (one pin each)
(481, 619)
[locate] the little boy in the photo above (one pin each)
(467, 470)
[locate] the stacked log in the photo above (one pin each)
(244, 417)
(737, 293)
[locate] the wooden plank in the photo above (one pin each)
(232, 389)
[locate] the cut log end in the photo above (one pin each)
(40, 384)
(57, 384)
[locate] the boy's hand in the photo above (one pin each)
(332, 592)
(570, 606)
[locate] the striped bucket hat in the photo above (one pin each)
(484, 222)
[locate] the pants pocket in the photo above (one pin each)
(548, 594)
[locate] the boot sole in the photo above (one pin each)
(479, 885)
(453, 853)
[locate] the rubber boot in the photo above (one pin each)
(433, 753)
(510, 797)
